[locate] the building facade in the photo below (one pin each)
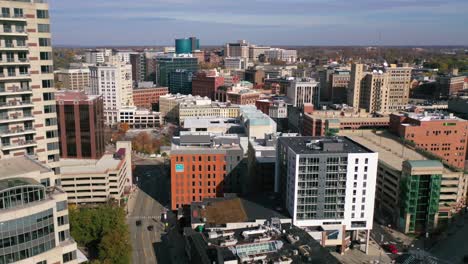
(34, 215)
(28, 118)
(328, 183)
(203, 167)
(166, 65)
(148, 97)
(81, 125)
(74, 79)
(98, 180)
(426, 131)
(187, 45)
(138, 62)
(303, 91)
(114, 83)
(204, 84)
(139, 118)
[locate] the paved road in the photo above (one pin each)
(147, 204)
(454, 247)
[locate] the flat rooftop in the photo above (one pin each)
(221, 211)
(195, 122)
(390, 149)
(322, 145)
(18, 166)
(348, 116)
(427, 117)
(270, 244)
(77, 166)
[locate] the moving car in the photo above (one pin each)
(138, 222)
(150, 228)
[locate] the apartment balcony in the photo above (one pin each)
(12, 61)
(17, 132)
(12, 17)
(18, 145)
(11, 47)
(15, 90)
(16, 104)
(14, 33)
(15, 76)
(15, 118)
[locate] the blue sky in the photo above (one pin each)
(272, 22)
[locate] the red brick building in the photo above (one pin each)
(203, 167)
(204, 84)
(243, 97)
(264, 105)
(147, 97)
(444, 136)
(81, 125)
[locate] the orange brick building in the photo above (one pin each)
(204, 167)
(443, 135)
(146, 97)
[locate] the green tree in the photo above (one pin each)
(113, 248)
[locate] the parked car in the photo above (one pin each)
(391, 248)
(138, 222)
(150, 228)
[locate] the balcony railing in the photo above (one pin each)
(15, 103)
(8, 145)
(21, 130)
(15, 116)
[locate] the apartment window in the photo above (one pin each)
(47, 83)
(44, 42)
(18, 12)
(352, 215)
(363, 207)
(52, 146)
(355, 169)
(46, 69)
(67, 257)
(52, 134)
(362, 215)
(48, 96)
(357, 161)
(61, 206)
(365, 168)
(51, 121)
(43, 28)
(49, 109)
(42, 13)
(5, 12)
(366, 161)
(46, 55)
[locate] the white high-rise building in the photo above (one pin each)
(328, 183)
(114, 83)
(303, 91)
(33, 210)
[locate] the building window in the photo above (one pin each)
(44, 42)
(46, 55)
(43, 28)
(61, 206)
(42, 13)
(46, 69)
(67, 257)
(47, 83)
(48, 96)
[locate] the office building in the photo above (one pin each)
(98, 180)
(405, 174)
(383, 90)
(148, 97)
(328, 183)
(167, 65)
(338, 86)
(80, 125)
(241, 95)
(275, 54)
(303, 91)
(139, 118)
(239, 49)
(235, 63)
(28, 119)
(458, 104)
(33, 211)
(331, 122)
(180, 81)
(97, 56)
(187, 45)
(203, 166)
(426, 130)
(206, 84)
(73, 79)
(257, 52)
(114, 83)
(324, 83)
(256, 123)
(255, 76)
(138, 62)
(450, 85)
(216, 125)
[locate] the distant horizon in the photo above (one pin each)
(274, 45)
(262, 22)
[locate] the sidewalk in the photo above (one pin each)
(355, 256)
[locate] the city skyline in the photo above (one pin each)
(317, 22)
